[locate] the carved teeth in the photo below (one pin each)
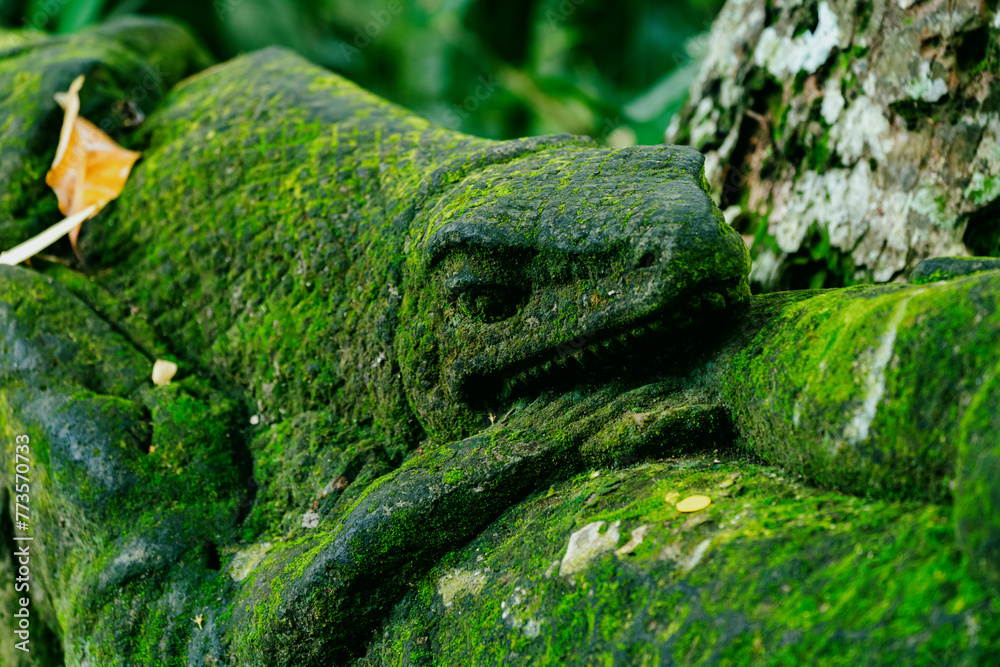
(601, 352)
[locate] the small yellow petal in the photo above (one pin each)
(694, 503)
(163, 372)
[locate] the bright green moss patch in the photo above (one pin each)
(452, 476)
(773, 571)
(831, 386)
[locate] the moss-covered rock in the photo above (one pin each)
(339, 253)
(865, 389)
(976, 490)
(946, 268)
(359, 274)
(129, 484)
(772, 572)
(129, 63)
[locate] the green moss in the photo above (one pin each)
(863, 15)
(338, 278)
(791, 575)
(124, 477)
(866, 426)
(129, 58)
(362, 200)
(452, 476)
(947, 268)
(820, 153)
(976, 491)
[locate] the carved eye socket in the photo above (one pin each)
(490, 303)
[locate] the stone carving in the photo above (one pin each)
(417, 368)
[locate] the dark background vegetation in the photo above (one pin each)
(613, 69)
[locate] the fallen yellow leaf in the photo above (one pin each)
(694, 503)
(89, 168)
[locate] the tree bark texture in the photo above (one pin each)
(849, 140)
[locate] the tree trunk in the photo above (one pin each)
(848, 141)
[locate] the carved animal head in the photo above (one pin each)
(557, 266)
(341, 254)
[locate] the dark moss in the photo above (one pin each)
(946, 268)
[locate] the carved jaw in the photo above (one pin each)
(589, 272)
(631, 351)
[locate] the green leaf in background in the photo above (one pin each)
(615, 70)
(76, 14)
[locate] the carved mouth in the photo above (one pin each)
(656, 344)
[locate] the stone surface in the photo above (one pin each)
(787, 573)
(113, 460)
(586, 544)
(945, 268)
(865, 389)
(348, 272)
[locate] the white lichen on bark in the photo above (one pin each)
(874, 124)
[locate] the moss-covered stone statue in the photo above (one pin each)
(439, 396)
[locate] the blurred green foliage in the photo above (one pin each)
(614, 70)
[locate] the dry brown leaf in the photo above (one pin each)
(89, 169)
